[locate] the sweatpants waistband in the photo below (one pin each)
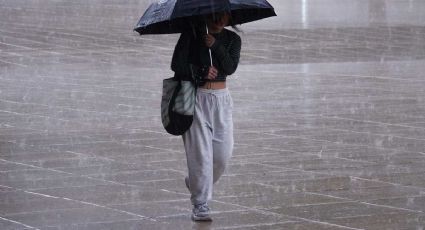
(213, 91)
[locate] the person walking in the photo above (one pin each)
(211, 56)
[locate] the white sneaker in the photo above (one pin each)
(201, 212)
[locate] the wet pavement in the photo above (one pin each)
(329, 120)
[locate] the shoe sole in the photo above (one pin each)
(204, 218)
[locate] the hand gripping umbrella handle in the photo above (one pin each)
(209, 49)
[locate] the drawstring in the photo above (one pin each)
(209, 49)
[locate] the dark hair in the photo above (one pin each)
(219, 15)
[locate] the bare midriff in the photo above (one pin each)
(214, 85)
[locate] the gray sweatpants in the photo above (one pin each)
(209, 142)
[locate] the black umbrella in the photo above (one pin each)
(175, 16)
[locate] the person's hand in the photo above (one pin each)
(209, 40)
(212, 73)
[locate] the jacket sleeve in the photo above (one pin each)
(228, 60)
(180, 61)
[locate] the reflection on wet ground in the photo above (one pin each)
(329, 120)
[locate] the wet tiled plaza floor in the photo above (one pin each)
(329, 120)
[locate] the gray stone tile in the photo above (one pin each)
(299, 225)
(58, 162)
(268, 156)
(150, 157)
(323, 184)
(269, 199)
(173, 185)
(363, 194)
(228, 219)
(156, 209)
(69, 216)
(261, 177)
(162, 210)
(409, 202)
(329, 124)
(12, 206)
(320, 164)
(29, 175)
(43, 183)
(13, 196)
(34, 157)
(404, 178)
(142, 175)
(335, 211)
(12, 166)
(391, 221)
(124, 224)
(110, 194)
(11, 225)
(179, 165)
(104, 169)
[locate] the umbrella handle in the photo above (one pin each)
(209, 48)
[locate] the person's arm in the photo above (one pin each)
(228, 60)
(180, 61)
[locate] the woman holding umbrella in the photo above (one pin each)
(211, 56)
(208, 143)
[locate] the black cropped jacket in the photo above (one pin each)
(191, 55)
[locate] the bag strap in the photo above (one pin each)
(194, 80)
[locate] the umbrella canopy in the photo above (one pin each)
(175, 16)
